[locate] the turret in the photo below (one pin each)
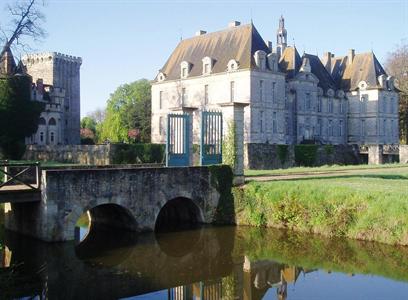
(281, 37)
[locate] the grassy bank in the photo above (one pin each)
(360, 205)
(317, 252)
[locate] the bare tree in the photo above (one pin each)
(397, 66)
(26, 21)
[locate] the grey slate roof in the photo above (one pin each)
(365, 67)
(325, 79)
(287, 64)
(239, 43)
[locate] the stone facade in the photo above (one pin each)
(57, 76)
(142, 193)
(291, 98)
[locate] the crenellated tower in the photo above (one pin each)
(62, 72)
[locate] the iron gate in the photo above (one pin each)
(211, 138)
(177, 144)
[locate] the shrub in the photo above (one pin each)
(305, 155)
(282, 153)
(138, 153)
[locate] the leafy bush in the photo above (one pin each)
(329, 149)
(282, 153)
(305, 155)
(139, 153)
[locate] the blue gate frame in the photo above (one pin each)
(178, 140)
(211, 138)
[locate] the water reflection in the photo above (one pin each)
(206, 263)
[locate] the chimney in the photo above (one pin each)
(327, 56)
(351, 55)
(200, 32)
(40, 85)
(233, 24)
(269, 43)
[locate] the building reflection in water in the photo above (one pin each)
(256, 278)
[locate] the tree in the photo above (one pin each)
(128, 111)
(88, 130)
(19, 116)
(397, 66)
(26, 21)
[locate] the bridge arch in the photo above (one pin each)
(179, 213)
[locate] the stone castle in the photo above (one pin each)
(291, 98)
(56, 83)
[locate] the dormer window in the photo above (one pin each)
(232, 65)
(161, 77)
(185, 69)
(260, 59)
(207, 65)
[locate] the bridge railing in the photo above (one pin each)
(20, 176)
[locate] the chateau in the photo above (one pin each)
(291, 98)
(56, 83)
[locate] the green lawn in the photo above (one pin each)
(368, 206)
(325, 168)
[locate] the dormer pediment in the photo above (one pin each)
(233, 65)
(161, 77)
(185, 68)
(260, 59)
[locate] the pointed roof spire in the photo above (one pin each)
(7, 62)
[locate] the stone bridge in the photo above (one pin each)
(139, 199)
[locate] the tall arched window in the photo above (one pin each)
(52, 137)
(52, 122)
(41, 137)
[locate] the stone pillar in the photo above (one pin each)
(403, 154)
(375, 154)
(233, 114)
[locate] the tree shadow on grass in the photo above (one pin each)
(373, 176)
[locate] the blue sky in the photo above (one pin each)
(121, 41)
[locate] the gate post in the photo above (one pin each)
(233, 114)
(375, 154)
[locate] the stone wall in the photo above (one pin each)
(265, 156)
(75, 154)
(403, 154)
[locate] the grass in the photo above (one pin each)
(325, 168)
(370, 206)
(317, 252)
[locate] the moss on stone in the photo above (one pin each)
(221, 179)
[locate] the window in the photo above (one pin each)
(330, 128)
(287, 126)
(185, 69)
(341, 128)
(319, 127)
(183, 96)
(41, 121)
(363, 129)
(330, 105)
(319, 104)
(184, 72)
(161, 100)
(261, 128)
(232, 91)
(273, 92)
(232, 65)
(206, 94)
(308, 103)
(161, 126)
(41, 137)
(206, 68)
(207, 65)
(384, 127)
(261, 90)
(341, 106)
(392, 128)
(274, 123)
(52, 137)
(363, 104)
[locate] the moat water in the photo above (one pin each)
(205, 263)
